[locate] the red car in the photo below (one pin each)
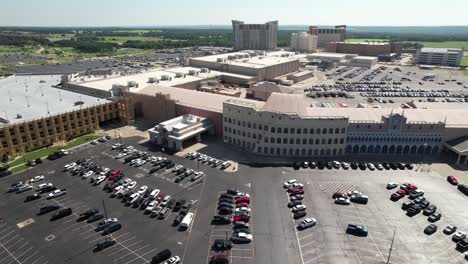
(402, 192)
(160, 197)
(243, 199)
(452, 180)
(242, 218)
(408, 187)
(242, 205)
(297, 191)
(339, 195)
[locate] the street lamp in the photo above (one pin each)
(163, 149)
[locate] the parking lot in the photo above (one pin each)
(327, 242)
(275, 237)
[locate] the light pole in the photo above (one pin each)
(163, 150)
(391, 245)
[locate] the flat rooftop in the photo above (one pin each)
(441, 50)
(142, 78)
(34, 97)
(252, 59)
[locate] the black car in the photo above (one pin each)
(177, 220)
(5, 173)
(400, 166)
(393, 166)
(221, 245)
(413, 210)
(312, 165)
(48, 209)
(178, 205)
(87, 214)
(406, 205)
(450, 229)
(221, 220)
(463, 188)
(430, 229)
(161, 256)
(104, 243)
(296, 165)
(232, 192)
(429, 210)
(434, 217)
(299, 214)
(179, 178)
(32, 197)
(95, 217)
(4, 167)
(409, 166)
(171, 164)
(386, 166)
(362, 166)
(226, 205)
(320, 165)
(61, 214)
(291, 204)
(424, 204)
(353, 165)
(225, 211)
(111, 228)
(329, 165)
(154, 169)
(227, 196)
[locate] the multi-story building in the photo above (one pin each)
(303, 42)
(439, 56)
(327, 35)
(18, 138)
(255, 36)
(364, 48)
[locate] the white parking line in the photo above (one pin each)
(24, 260)
(307, 243)
(140, 255)
(309, 235)
(16, 242)
(20, 247)
(131, 253)
(86, 237)
(311, 251)
(6, 242)
(37, 260)
(312, 259)
(24, 252)
(7, 234)
(4, 230)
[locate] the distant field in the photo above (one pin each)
(464, 62)
(366, 40)
(445, 44)
(123, 39)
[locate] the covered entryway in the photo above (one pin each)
(459, 147)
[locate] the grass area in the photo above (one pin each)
(124, 39)
(19, 168)
(464, 63)
(366, 40)
(44, 152)
(446, 44)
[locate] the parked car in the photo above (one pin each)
(221, 245)
(452, 180)
(161, 256)
(61, 214)
(32, 197)
(105, 243)
(306, 223)
(342, 201)
(430, 229)
(48, 209)
(111, 228)
(434, 217)
(87, 214)
(450, 229)
(429, 210)
(392, 185)
(357, 230)
(241, 238)
(416, 193)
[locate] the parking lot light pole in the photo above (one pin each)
(163, 150)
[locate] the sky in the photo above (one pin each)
(221, 12)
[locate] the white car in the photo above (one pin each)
(56, 193)
(177, 167)
(242, 194)
(132, 185)
(355, 192)
(139, 163)
(379, 166)
(87, 174)
(371, 166)
(242, 209)
(165, 200)
(306, 223)
(69, 166)
(143, 189)
(64, 152)
(120, 155)
(151, 206)
(242, 238)
(342, 201)
(105, 171)
(189, 155)
(392, 185)
(126, 182)
(118, 188)
(133, 162)
(121, 190)
(43, 185)
(297, 185)
(173, 260)
(155, 193)
(299, 207)
(225, 165)
(345, 165)
(115, 146)
(37, 178)
(289, 183)
(134, 197)
(100, 179)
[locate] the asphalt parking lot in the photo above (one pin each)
(327, 242)
(275, 238)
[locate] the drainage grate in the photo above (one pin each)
(49, 238)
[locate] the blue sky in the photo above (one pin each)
(220, 12)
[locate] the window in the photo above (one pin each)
(243, 123)
(329, 141)
(248, 134)
(279, 130)
(243, 133)
(304, 131)
(342, 141)
(272, 140)
(285, 141)
(248, 124)
(225, 119)
(337, 130)
(311, 141)
(265, 128)
(260, 127)
(324, 131)
(299, 131)
(311, 131)
(291, 141)
(266, 139)
(286, 130)
(292, 131)
(343, 130)
(317, 141)
(304, 141)
(330, 131)
(260, 136)
(335, 141)
(273, 130)
(278, 140)
(318, 131)
(324, 141)
(254, 125)
(298, 141)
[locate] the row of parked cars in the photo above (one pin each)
(138, 158)
(233, 208)
(213, 162)
(295, 190)
(352, 196)
(44, 189)
(417, 203)
(353, 165)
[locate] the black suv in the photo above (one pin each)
(48, 209)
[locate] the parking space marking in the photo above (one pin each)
(17, 241)
(30, 256)
(130, 253)
(12, 231)
(6, 242)
(24, 252)
(4, 230)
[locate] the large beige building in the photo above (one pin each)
(255, 36)
(328, 35)
(303, 42)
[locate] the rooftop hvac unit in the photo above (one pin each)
(193, 72)
(179, 74)
(131, 83)
(165, 77)
(231, 57)
(204, 70)
(153, 80)
(219, 60)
